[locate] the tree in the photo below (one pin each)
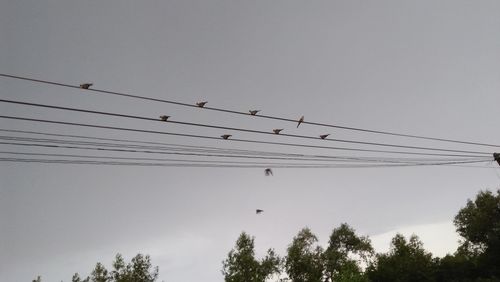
(345, 251)
(479, 224)
(304, 261)
(38, 279)
(406, 261)
(242, 266)
(100, 274)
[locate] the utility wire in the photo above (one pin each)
(237, 140)
(247, 114)
(168, 146)
(62, 161)
(239, 129)
(102, 146)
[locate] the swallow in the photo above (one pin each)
(201, 104)
(254, 112)
(496, 156)
(226, 136)
(85, 85)
(277, 131)
(323, 136)
(164, 118)
(301, 120)
(258, 211)
(268, 172)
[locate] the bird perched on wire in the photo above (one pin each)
(324, 136)
(201, 104)
(258, 211)
(496, 156)
(226, 136)
(85, 85)
(277, 131)
(301, 120)
(253, 112)
(164, 118)
(268, 172)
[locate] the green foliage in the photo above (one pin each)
(304, 261)
(479, 224)
(242, 266)
(343, 249)
(406, 261)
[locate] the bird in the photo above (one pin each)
(258, 211)
(201, 104)
(85, 85)
(164, 118)
(268, 172)
(324, 136)
(496, 156)
(301, 120)
(277, 131)
(254, 112)
(226, 136)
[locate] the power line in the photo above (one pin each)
(235, 139)
(62, 161)
(296, 157)
(247, 114)
(238, 129)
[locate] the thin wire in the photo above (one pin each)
(239, 129)
(60, 161)
(209, 148)
(295, 156)
(233, 139)
(247, 114)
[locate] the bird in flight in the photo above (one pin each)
(226, 136)
(85, 85)
(201, 104)
(257, 211)
(164, 118)
(323, 136)
(268, 172)
(277, 131)
(254, 112)
(301, 120)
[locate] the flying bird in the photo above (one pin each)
(254, 112)
(268, 172)
(301, 120)
(324, 136)
(258, 211)
(85, 85)
(201, 104)
(226, 136)
(496, 156)
(164, 118)
(277, 131)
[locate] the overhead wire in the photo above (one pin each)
(236, 139)
(239, 129)
(92, 90)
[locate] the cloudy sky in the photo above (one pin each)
(428, 68)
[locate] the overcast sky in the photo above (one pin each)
(429, 68)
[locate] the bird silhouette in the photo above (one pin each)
(324, 136)
(254, 112)
(496, 156)
(164, 118)
(85, 85)
(201, 104)
(258, 211)
(301, 120)
(226, 136)
(268, 172)
(277, 131)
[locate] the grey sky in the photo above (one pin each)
(419, 67)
